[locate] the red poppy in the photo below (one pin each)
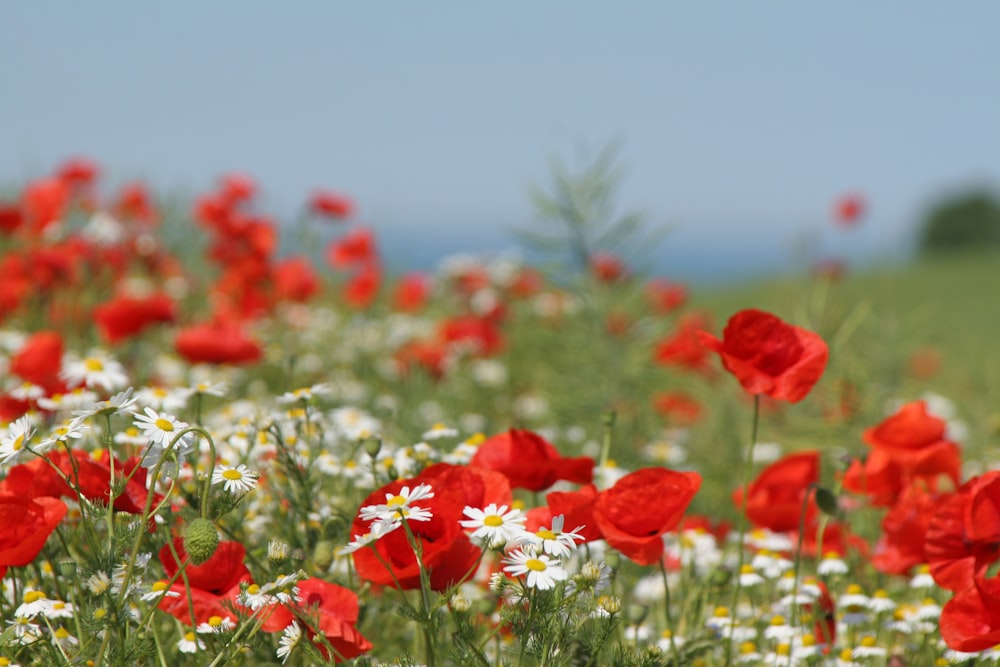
(679, 408)
(607, 268)
(39, 360)
(44, 202)
(78, 172)
(295, 280)
(910, 430)
(411, 292)
(331, 205)
(481, 333)
(849, 209)
(328, 610)
(904, 531)
(774, 500)
(10, 217)
(237, 188)
(125, 316)
(963, 537)
(447, 554)
(214, 585)
(27, 523)
(769, 356)
(529, 461)
(970, 621)
(683, 347)
(219, 343)
(634, 514)
(135, 203)
(354, 248)
(361, 290)
(576, 506)
(664, 296)
(431, 357)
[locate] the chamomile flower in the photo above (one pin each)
(13, 442)
(832, 564)
(748, 577)
(400, 505)
(440, 431)
(64, 639)
(32, 604)
(97, 371)
(216, 625)
(867, 648)
(542, 572)
(554, 541)
(238, 480)
(922, 578)
(880, 602)
(119, 404)
(159, 590)
(217, 389)
(59, 609)
(160, 398)
(305, 394)
(26, 391)
(61, 434)
(190, 643)
(160, 428)
(289, 639)
(495, 525)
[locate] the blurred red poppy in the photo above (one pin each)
(970, 621)
(774, 499)
(607, 268)
(295, 280)
(904, 530)
(849, 209)
(634, 514)
(27, 524)
(529, 461)
(39, 360)
(769, 356)
(325, 609)
(411, 292)
(678, 408)
(217, 344)
(125, 316)
(664, 296)
(331, 205)
(362, 288)
(683, 347)
(963, 537)
(354, 248)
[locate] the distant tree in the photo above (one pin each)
(969, 220)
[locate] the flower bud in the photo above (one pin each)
(200, 540)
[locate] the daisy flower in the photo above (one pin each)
(12, 443)
(157, 590)
(305, 393)
(868, 648)
(160, 398)
(27, 391)
(494, 526)
(32, 604)
(159, 427)
(119, 404)
(190, 643)
(61, 434)
(238, 480)
(543, 572)
(217, 389)
(554, 541)
(64, 639)
(440, 431)
(216, 625)
(400, 506)
(289, 639)
(97, 371)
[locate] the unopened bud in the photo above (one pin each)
(200, 540)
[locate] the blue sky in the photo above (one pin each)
(740, 123)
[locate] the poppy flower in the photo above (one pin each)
(44, 202)
(219, 343)
(125, 316)
(577, 506)
(134, 203)
(769, 356)
(963, 537)
(679, 408)
(39, 360)
(910, 430)
(607, 268)
(970, 621)
(411, 292)
(295, 280)
(664, 296)
(328, 610)
(849, 209)
(481, 333)
(78, 172)
(236, 188)
(683, 347)
(331, 205)
(354, 248)
(10, 217)
(27, 523)
(904, 531)
(362, 288)
(774, 499)
(529, 461)
(634, 514)
(214, 585)
(447, 554)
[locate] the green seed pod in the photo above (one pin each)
(200, 540)
(323, 554)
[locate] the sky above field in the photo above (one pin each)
(740, 124)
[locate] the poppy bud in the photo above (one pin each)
(200, 540)
(323, 554)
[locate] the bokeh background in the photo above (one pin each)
(740, 126)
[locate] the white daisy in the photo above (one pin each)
(13, 442)
(305, 394)
(119, 404)
(217, 389)
(61, 434)
(543, 572)
(97, 371)
(494, 526)
(159, 590)
(216, 625)
(554, 541)
(400, 505)
(190, 643)
(440, 431)
(64, 639)
(376, 530)
(238, 480)
(32, 604)
(289, 639)
(161, 398)
(27, 391)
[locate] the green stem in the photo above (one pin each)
(743, 519)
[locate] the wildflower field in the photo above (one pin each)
(216, 451)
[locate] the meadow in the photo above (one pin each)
(216, 453)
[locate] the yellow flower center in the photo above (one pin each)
(253, 589)
(854, 589)
(33, 596)
(189, 636)
(493, 520)
(868, 641)
(882, 593)
(61, 633)
(18, 443)
(546, 534)
(159, 586)
(93, 364)
(215, 621)
(808, 639)
(535, 565)
(846, 655)
(783, 649)
(164, 424)
(232, 474)
(396, 501)
(746, 648)
(721, 612)
(746, 569)
(778, 620)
